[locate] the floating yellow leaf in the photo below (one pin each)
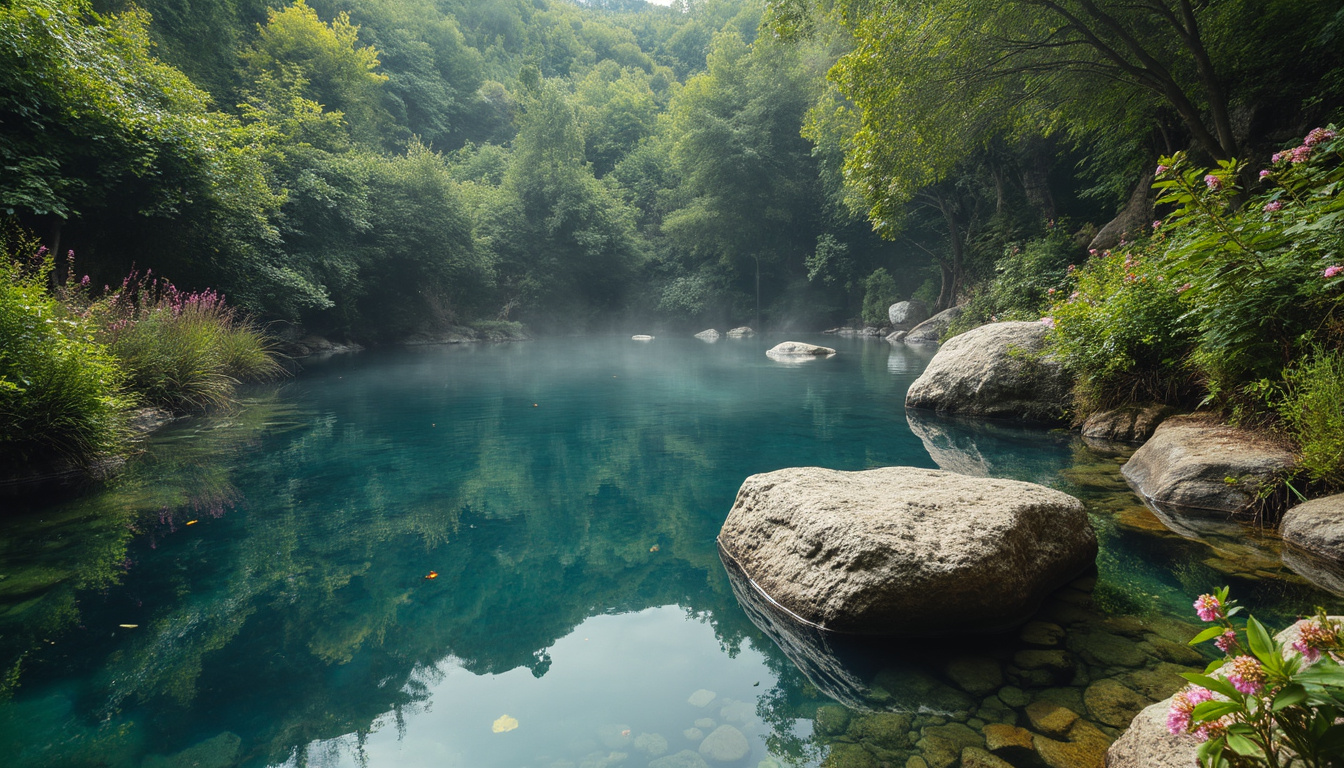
(432, 575)
(128, 626)
(504, 723)
(192, 522)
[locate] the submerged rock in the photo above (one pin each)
(905, 551)
(896, 336)
(931, 330)
(1130, 424)
(1192, 465)
(905, 315)
(740, 332)
(218, 752)
(995, 371)
(725, 745)
(683, 759)
(708, 334)
(798, 349)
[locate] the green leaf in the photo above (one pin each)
(1291, 695)
(1215, 685)
(1262, 645)
(1212, 710)
(1243, 746)
(1208, 634)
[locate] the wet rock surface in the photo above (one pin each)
(996, 371)
(1131, 424)
(1192, 466)
(931, 330)
(798, 349)
(1316, 529)
(901, 551)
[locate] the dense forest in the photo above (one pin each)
(376, 171)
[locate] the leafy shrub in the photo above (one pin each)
(1263, 274)
(1265, 706)
(183, 351)
(879, 293)
(1027, 279)
(60, 389)
(1313, 410)
(1124, 334)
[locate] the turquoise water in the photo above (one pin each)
(272, 565)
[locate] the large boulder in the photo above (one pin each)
(905, 315)
(904, 551)
(995, 371)
(741, 331)
(931, 330)
(709, 334)
(1193, 465)
(1314, 531)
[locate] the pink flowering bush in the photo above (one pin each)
(1262, 704)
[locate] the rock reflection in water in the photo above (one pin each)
(988, 449)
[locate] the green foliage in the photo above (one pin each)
(1265, 286)
(1312, 408)
(1268, 705)
(1123, 333)
(1027, 280)
(61, 391)
(879, 293)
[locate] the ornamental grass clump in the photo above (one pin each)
(1264, 704)
(185, 351)
(62, 393)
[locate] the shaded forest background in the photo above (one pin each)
(374, 169)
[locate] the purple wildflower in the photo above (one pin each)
(1273, 205)
(1333, 270)
(1300, 154)
(1182, 705)
(1226, 640)
(1246, 675)
(1318, 135)
(1264, 175)
(1213, 182)
(1161, 169)
(1207, 606)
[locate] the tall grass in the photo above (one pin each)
(1313, 410)
(184, 351)
(61, 391)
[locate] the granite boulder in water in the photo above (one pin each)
(903, 551)
(995, 371)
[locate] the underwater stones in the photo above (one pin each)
(958, 734)
(651, 744)
(1148, 744)
(995, 371)
(797, 349)
(843, 755)
(701, 698)
(739, 712)
(1164, 649)
(1131, 424)
(1111, 702)
(693, 734)
(831, 720)
(683, 759)
(1196, 466)
(993, 710)
(741, 332)
(217, 752)
(1041, 633)
(1316, 526)
(1056, 662)
(725, 744)
(975, 674)
(1159, 680)
(974, 757)
(884, 730)
(931, 330)
(1085, 747)
(905, 551)
(905, 315)
(705, 722)
(1013, 696)
(1008, 740)
(938, 752)
(1104, 649)
(1050, 718)
(709, 334)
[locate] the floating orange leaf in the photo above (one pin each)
(192, 522)
(432, 575)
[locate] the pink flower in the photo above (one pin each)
(1213, 729)
(1183, 288)
(1300, 154)
(1226, 641)
(1333, 270)
(1048, 322)
(1264, 175)
(1318, 135)
(84, 281)
(1092, 251)
(1207, 606)
(1246, 675)
(1308, 653)
(1050, 291)
(1273, 205)
(1161, 169)
(1213, 182)
(1072, 267)
(1073, 296)
(1157, 224)
(1278, 156)
(1182, 705)
(1315, 637)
